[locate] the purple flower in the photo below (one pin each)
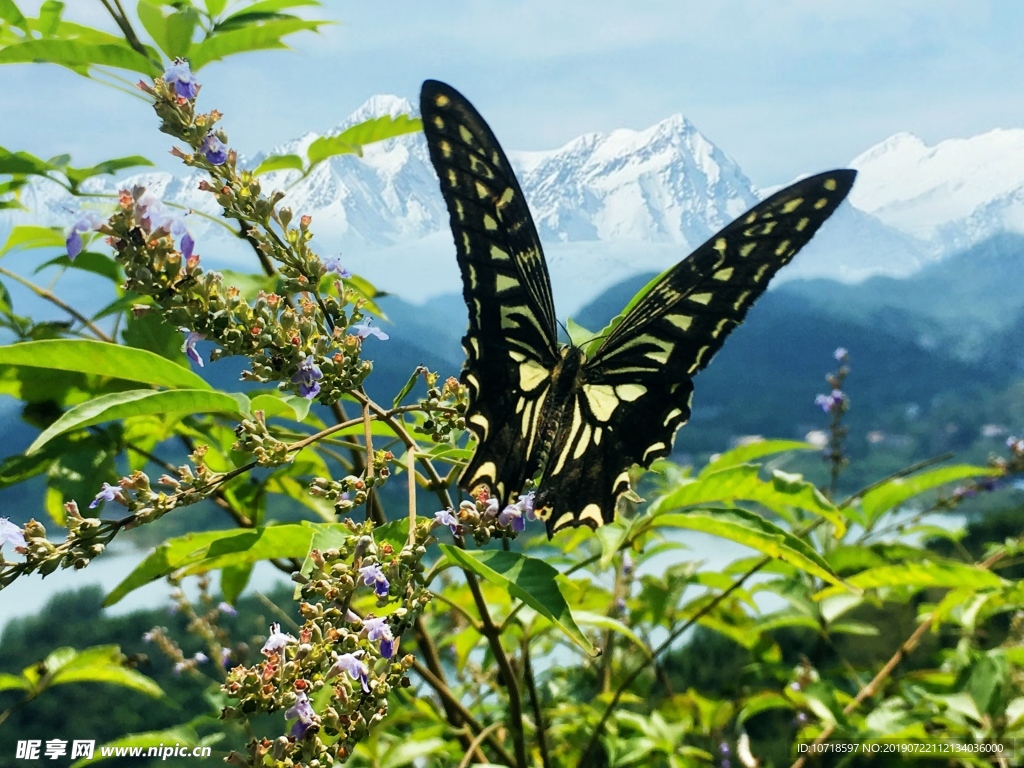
(831, 402)
(801, 718)
(525, 503)
(10, 534)
(349, 662)
(363, 330)
(189, 347)
(512, 516)
(148, 636)
(227, 608)
(151, 208)
(447, 517)
(724, 748)
(200, 657)
(89, 220)
(180, 76)
(841, 354)
(214, 150)
(303, 713)
(492, 508)
(107, 493)
(179, 667)
(225, 658)
(378, 629)
(333, 264)
(277, 640)
(372, 575)
(308, 378)
(627, 564)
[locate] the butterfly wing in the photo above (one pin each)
(511, 345)
(638, 385)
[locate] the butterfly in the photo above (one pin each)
(541, 409)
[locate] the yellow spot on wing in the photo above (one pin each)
(802, 224)
(583, 443)
(504, 282)
(601, 399)
(466, 134)
(487, 471)
(673, 414)
(819, 204)
(830, 185)
(783, 247)
(682, 322)
(438, 122)
(481, 421)
(724, 274)
(564, 519)
(489, 222)
(792, 205)
(498, 254)
(630, 392)
(746, 249)
(592, 512)
(700, 298)
(531, 375)
(441, 100)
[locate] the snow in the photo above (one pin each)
(607, 205)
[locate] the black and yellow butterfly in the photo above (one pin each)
(540, 409)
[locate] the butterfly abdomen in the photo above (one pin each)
(559, 412)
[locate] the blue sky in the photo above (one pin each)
(785, 87)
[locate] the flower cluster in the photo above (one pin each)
(445, 408)
(353, 657)
(351, 491)
(485, 519)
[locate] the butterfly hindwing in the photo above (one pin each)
(511, 344)
(638, 384)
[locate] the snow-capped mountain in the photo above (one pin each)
(608, 206)
(950, 195)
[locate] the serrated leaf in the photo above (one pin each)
(101, 359)
(142, 402)
(893, 493)
(755, 532)
(526, 578)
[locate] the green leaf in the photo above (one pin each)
(409, 752)
(101, 359)
(108, 167)
(353, 139)
(78, 55)
(407, 388)
(49, 17)
(762, 702)
(526, 578)
(279, 163)
(578, 335)
(10, 13)
(985, 685)
(585, 618)
(9, 682)
(88, 261)
(893, 493)
(937, 574)
(142, 402)
(201, 552)
(755, 532)
(741, 483)
(249, 38)
(22, 163)
(234, 579)
(752, 451)
(25, 237)
(281, 404)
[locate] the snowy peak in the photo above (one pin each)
(950, 194)
(665, 184)
(378, 106)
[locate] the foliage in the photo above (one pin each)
(499, 648)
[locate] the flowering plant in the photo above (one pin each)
(456, 636)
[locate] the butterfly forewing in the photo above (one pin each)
(582, 428)
(511, 344)
(638, 384)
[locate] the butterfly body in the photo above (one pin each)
(540, 409)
